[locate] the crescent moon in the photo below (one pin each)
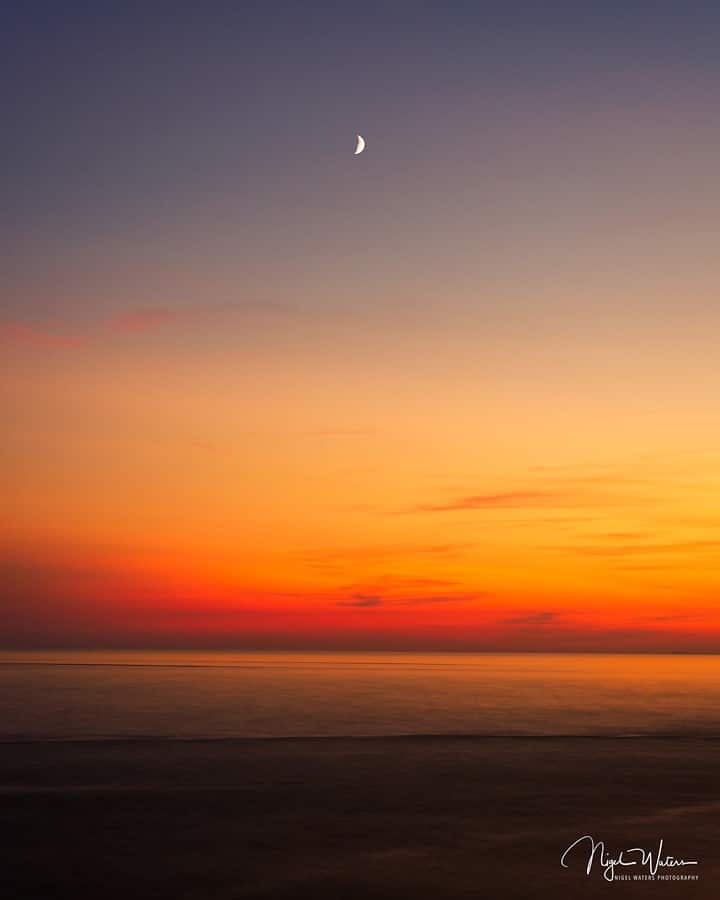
(360, 145)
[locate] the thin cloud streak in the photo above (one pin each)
(362, 601)
(641, 549)
(507, 500)
(22, 334)
(134, 321)
(366, 601)
(535, 618)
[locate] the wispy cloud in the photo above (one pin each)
(394, 583)
(680, 617)
(136, 321)
(506, 500)
(551, 494)
(640, 549)
(533, 618)
(23, 334)
(365, 601)
(334, 559)
(437, 598)
(362, 601)
(132, 321)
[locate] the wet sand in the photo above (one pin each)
(351, 818)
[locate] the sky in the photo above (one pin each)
(457, 392)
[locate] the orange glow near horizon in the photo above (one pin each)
(300, 501)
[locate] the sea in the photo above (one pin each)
(110, 695)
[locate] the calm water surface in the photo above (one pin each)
(46, 695)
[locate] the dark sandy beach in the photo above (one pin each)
(350, 818)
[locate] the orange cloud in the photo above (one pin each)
(507, 500)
